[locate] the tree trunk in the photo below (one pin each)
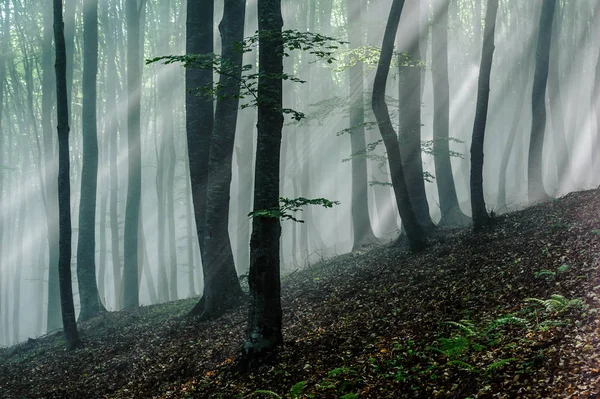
(221, 285)
(50, 165)
(199, 107)
(535, 182)
(521, 88)
(263, 333)
(409, 113)
(452, 216)
(86, 243)
(134, 164)
(361, 223)
(480, 215)
(64, 189)
(561, 149)
(414, 232)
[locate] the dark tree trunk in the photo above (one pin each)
(480, 215)
(86, 243)
(535, 183)
(199, 110)
(409, 94)
(449, 207)
(50, 165)
(263, 333)
(64, 189)
(132, 207)
(221, 285)
(414, 232)
(361, 223)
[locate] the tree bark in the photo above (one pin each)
(561, 148)
(199, 107)
(361, 223)
(409, 113)
(64, 190)
(221, 286)
(91, 305)
(50, 165)
(452, 216)
(480, 215)
(134, 164)
(535, 182)
(263, 333)
(414, 232)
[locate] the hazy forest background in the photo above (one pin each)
(334, 152)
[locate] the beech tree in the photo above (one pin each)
(535, 183)
(64, 185)
(86, 244)
(480, 215)
(263, 333)
(414, 231)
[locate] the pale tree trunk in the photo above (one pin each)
(361, 223)
(452, 216)
(134, 164)
(112, 130)
(561, 150)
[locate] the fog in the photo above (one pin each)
(316, 152)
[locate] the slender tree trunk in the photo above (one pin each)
(561, 149)
(91, 305)
(263, 333)
(199, 108)
(134, 165)
(145, 265)
(450, 209)
(64, 189)
(535, 182)
(221, 285)
(414, 232)
(361, 223)
(521, 88)
(409, 92)
(111, 132)
(51, 169)
(480, 215)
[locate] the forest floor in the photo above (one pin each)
(512, 312)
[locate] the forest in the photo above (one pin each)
(299, 198)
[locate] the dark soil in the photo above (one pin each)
(511, 312)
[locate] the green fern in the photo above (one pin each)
(297, 389)
(507, 320)
(466, 326)
(497, 365)
(462, 365)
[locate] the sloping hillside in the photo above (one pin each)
(511, 312)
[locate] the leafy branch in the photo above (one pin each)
(290, 205)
